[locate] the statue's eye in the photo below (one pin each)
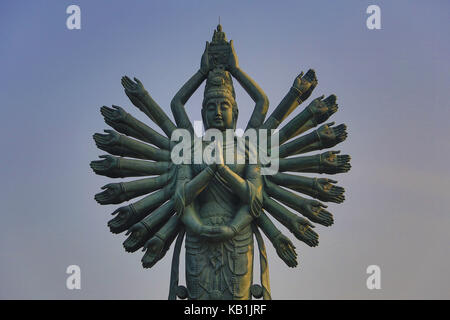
(225, 105)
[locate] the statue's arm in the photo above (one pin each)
(252, 88)
(187, 90)
(125, 123)
(257, 95)
(315, 113)
(328, 162)
(195, 186)
(191, 220)
(267, 226)
(187, 190)
(182, 96)
(144, 102)
(284, 247)
(299, 92)
(249, 189)
(122, 145)
(325, 136)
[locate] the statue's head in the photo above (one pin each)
(219, 109)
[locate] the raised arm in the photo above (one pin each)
(300, 91)
(144, 102)
(252, 88)
(186, 91)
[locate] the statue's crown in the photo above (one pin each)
(219, 84)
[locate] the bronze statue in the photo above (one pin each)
(217, 207)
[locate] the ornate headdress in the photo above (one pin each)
(219, 82)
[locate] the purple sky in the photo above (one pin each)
(393, 91)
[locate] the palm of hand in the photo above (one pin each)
(286, 250)
(135, 240)
(154, 249)
(316, 212)
(326, 133)
(118, 114)
(233, 62)
(112, 192)
(123, 216)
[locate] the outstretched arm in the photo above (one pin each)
(300, 91)
(284, 247)
(186, 91)
(142, 99)
(252, 88)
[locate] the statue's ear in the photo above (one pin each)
(235, 116)
(205, 120)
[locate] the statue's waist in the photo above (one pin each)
(211, 210)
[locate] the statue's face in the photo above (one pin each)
(219, 113)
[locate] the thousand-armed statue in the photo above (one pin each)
(219, 204)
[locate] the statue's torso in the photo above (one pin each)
(219, 270)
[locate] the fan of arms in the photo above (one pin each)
(151, 223)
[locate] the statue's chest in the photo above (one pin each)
(233, 156)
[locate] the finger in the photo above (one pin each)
(137, 80)
(128, 81)
(310, 224)
(300, 75)
(107, 112)
(291, 255)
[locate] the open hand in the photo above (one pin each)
(331, 162)
(113, 115)
(113, 194)
(314, 210)
(135, 91)
(138, 234)
(122, 220)
(233, 62)
(205, 66)
(323, 109)
(327, 191)
(155, 251)
(305, 84)
(301, 228)
(285, 250)
(331, 136)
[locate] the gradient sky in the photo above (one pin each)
(393, 93)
